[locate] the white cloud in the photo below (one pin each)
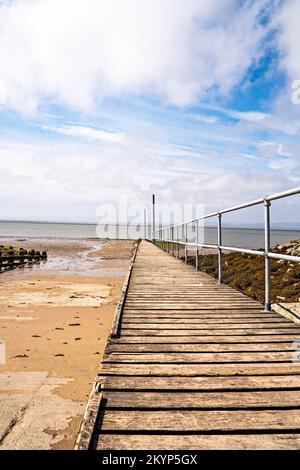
(68, 180)
(288, 20)
(74, 52)
(88, 133)
(207, 119)
(250, 116)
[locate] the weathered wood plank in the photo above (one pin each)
(208, 326)
(210, 339)
(209, 400)
(174, 383)
(209, 332)
(199, 442)
(200, 357)
(179, 314)
(198, 369)
(202, 320)
(200, 421)
(193, 348)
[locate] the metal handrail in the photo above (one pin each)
(169, 239)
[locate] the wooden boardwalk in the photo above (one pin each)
(197, 366)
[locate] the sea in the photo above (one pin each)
(231, 236)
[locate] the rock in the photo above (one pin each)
(292, 248)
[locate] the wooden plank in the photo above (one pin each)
(192, 348)
(209, 332)
(196, 308)
(210, 338)
(188, 370)
(213, 307)
(195, 298)
(208, 326)
(187, 303)
(202, 421)
(202, 319)
(179, 314)
(199, 358)
(136, 292)
(200, 383)
(202, 400)
(198, 442)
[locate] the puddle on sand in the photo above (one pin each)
(72, 257)
(75, 264)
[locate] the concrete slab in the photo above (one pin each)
(32, 415)
(21, 381)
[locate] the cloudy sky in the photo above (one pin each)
(101, 100)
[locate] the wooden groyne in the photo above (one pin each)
(12, 257)
(195, 365)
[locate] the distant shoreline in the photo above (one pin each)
(90, 224)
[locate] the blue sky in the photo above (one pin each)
(116, 100)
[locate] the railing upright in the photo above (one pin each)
(145, 224)
(220, 267)
(172, 235)
(185, 246)
(197, 247)
(267, 205)
(167, 239)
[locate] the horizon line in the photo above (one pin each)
(250, 226)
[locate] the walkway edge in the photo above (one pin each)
(93, 405)
(89, 419)
(115, 330)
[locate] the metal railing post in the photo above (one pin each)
(220, 268)
(197, 248)
(173, 242)
(166, 240)
(267, 205)
(145, 225)
(185, 246)
(153, 217)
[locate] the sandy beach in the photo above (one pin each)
(54, 320)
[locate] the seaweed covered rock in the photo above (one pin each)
(246, 273)
(292, 248)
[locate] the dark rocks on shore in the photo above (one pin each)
(12, 257)
(292, 248)
(246, 273)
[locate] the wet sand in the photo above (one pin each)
(55, 319)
